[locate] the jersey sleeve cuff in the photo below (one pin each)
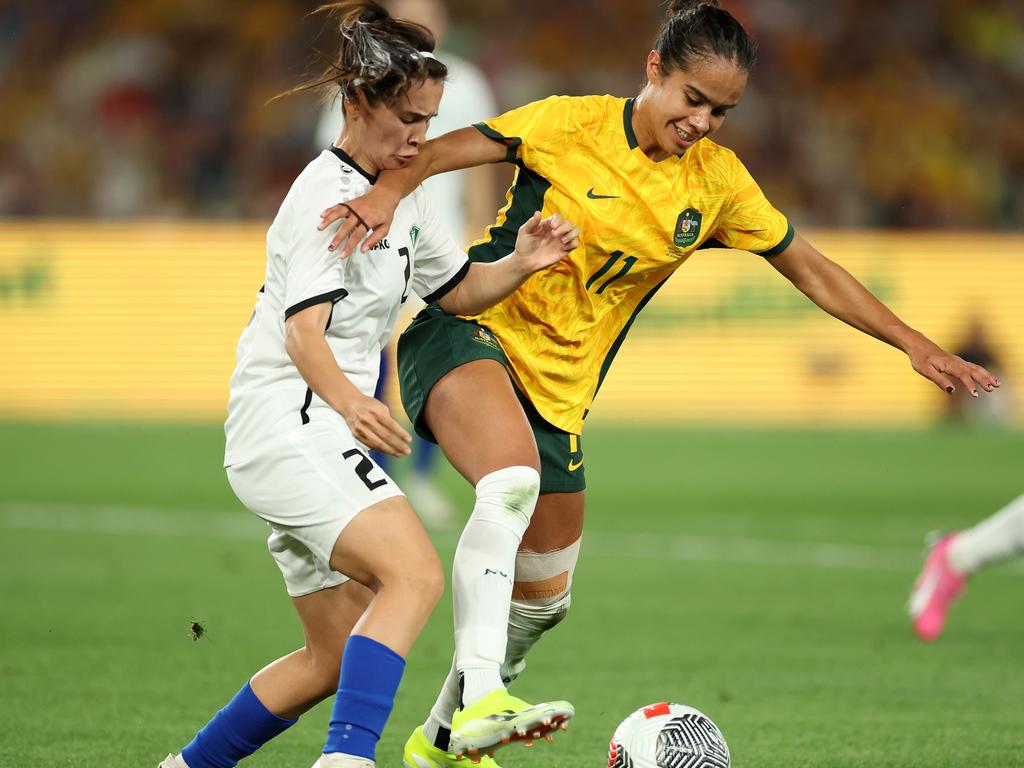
(783, 244)
(512, 142)
(451, 283)
(331, 296)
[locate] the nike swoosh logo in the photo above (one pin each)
(574, 465)
(592, 196)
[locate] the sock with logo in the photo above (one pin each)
(482, 575)
(370, 674)
(239, 729)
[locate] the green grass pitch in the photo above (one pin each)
(757, 575)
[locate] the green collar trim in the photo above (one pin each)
(627, 124)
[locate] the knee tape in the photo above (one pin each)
(542, 578)
(507, 498)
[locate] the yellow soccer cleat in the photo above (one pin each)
(420, 753)
(500, 718)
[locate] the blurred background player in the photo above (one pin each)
(977, 344)
(464, 200)
(955, 557)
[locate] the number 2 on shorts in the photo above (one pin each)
(363, 468)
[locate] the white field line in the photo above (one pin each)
(240, 526)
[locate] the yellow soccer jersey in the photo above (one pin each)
(639, 220)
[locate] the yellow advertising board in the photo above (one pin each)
(139, 321)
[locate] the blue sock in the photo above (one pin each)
(238, 730)
(370, 673)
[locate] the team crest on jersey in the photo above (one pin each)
(479, 334)
(413, 234)
(687, 228)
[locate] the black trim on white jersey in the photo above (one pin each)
(305, 406)
(440, 293)
(331, 296)
(347, 160)
(309, 392)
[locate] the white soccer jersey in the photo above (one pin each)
(268, 395)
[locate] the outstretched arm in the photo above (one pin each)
(540, 243)
(840, 294)
(372, 213)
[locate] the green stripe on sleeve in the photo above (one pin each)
(513, 142)
(527, 197)
(783, 244)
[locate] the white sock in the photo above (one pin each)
(485, 562)
(993, 539)
(440, 719)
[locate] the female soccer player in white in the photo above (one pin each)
(360, 570)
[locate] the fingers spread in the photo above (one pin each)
(931, 373)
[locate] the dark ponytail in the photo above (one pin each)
(380, 55)
(698, 29)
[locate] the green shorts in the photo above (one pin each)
(436, 343)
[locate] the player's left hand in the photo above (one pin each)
(942, 368)
(543, 242)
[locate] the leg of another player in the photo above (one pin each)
(478, 421)
(363, 628)
(385, 548)
(275, 697)
(540, 600)
(544, 568)
(955, 557)
(429, 500)
(480, 425)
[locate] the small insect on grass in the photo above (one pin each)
(196, 630)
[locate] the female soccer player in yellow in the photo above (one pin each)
(512, 385)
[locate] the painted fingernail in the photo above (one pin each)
(330, 248)
(950, 390)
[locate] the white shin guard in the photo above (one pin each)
(482, 576)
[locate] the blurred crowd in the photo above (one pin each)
(889, 113)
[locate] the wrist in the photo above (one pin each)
(521, 264)
(914, 343)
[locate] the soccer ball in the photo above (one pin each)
(668, 735)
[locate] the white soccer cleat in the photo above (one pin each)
(341, 760)
(173, 761)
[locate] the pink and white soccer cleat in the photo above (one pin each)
(935, 590)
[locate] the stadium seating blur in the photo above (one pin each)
(859, 114)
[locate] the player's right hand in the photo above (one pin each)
(369, 216)
(371, 423)
(944, 369)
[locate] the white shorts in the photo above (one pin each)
(308, 486)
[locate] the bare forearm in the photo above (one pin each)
(312, 356)
(464, 148)
(484, 286)
(841, 295)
